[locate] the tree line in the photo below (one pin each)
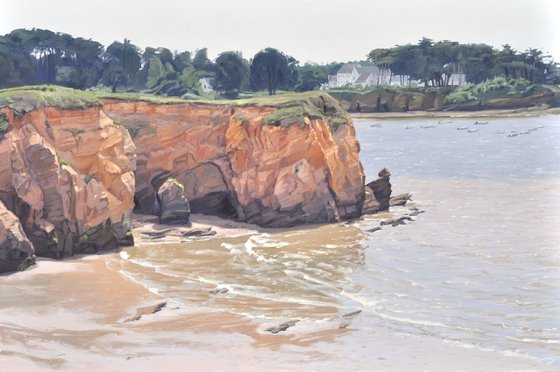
(433, 63)
(44, 57)
(39, 56)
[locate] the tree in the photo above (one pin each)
(16, 66)
(201, 61)
(122, 62)
(232, 70)
(311, 76)
(272, 69)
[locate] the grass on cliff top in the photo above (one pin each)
(26, 98)
(291, 107)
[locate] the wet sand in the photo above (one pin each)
(72, 314)
(470, 285)
(76, 314)
(146, 229)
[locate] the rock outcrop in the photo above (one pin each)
(72, 171)
(69, 177)
(234, 161)
(394, 100)
(174, 206)
(381, 188)
(16, 251)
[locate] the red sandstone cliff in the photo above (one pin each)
(232, 164)
(73, 176)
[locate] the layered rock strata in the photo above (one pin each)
(73, 175)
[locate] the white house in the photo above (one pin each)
(457, 79)
(355, 75)
(206, 84)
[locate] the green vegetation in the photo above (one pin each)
(232, 72)
(272, 70)
(4, 125)
(87, 236)
(60, 158)
(176, 183)
(293, 108)
(498, 87)
(26, 98)
(433, 63)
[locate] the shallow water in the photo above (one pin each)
(480, 269)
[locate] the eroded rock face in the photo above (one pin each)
(232, 164)
(69, 177)
(16, 251)
(174, 206)
(73, 176)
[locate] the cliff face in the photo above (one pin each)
(68, 176)
(394, 101)
(73, 176)
(234, 165)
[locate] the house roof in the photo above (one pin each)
(365, 72)
(347, 68)
(362, 78)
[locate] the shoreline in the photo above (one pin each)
(522, 112)
(199, 330)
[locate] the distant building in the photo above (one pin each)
(206, 84)
(457, 79)
(353, 75)
(357, 76)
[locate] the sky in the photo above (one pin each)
(318, 31)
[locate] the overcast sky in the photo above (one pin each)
(310, 30)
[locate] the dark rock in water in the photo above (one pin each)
(371, 205)
(415, 213)
(199, 232)
(397, 221)
(16, 251)
(352, 313)
(374, 229)
(399, 199)
(344, 324)
(157, 234)
(219, 290)
(147, 311)
(382, 189)
(384, 173)
(282, 327)
(175, 209)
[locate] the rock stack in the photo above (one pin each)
(382, 189)
(175, 209)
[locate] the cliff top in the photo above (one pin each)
(291, 107)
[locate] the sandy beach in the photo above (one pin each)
(82, 313)
(66, 327)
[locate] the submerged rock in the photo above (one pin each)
(397, 221)
(175, 209)
(16, 251)
(282, 327)
(147, 311)
(198, 232)
(399, 200)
